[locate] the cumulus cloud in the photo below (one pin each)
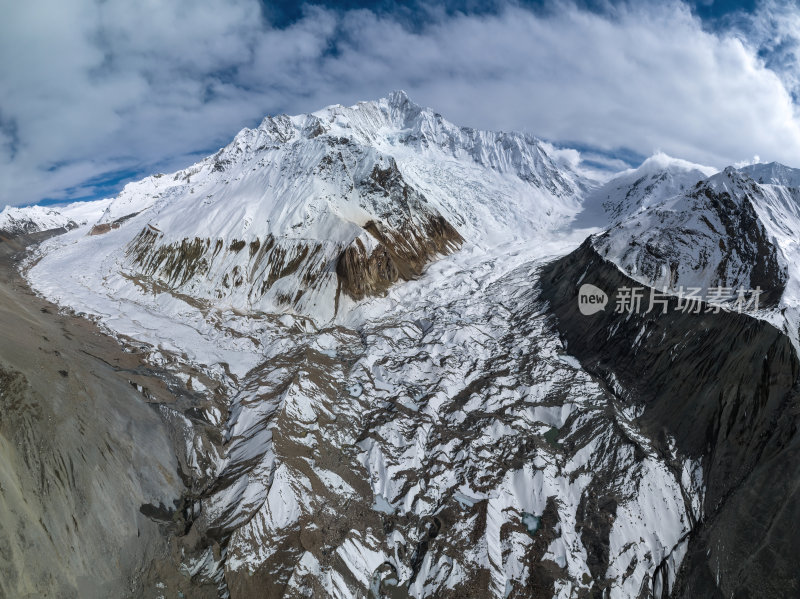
(772, 31)
(96, 89)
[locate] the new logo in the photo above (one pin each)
(591, 299)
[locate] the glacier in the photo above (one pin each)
(381, 397)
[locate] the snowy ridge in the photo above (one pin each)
(773, 173)
(728, 231)
(293, 176)
(707, 237)
(658, 178)
(32, 219)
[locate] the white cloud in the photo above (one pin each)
(90, 87)
(566, 156)
(773, 31)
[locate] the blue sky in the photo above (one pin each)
(413, 13)
(94, 93)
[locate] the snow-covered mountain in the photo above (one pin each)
(727, 232)
(387, 389)
(32, 219)
(658, 178)
(772, 173)
(307, 214)
(710, 236)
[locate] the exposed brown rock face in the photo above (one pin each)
(411, 249)
(362, 273)
(174, 264)
(400, 255)
(102, 228)
(410, 234)
(407, 234)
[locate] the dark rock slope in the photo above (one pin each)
(721, 387)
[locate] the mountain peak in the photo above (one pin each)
(731, 180)
(659, 177)
(335, 206)
(773, 173)
(399, 98)
(663, 162)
